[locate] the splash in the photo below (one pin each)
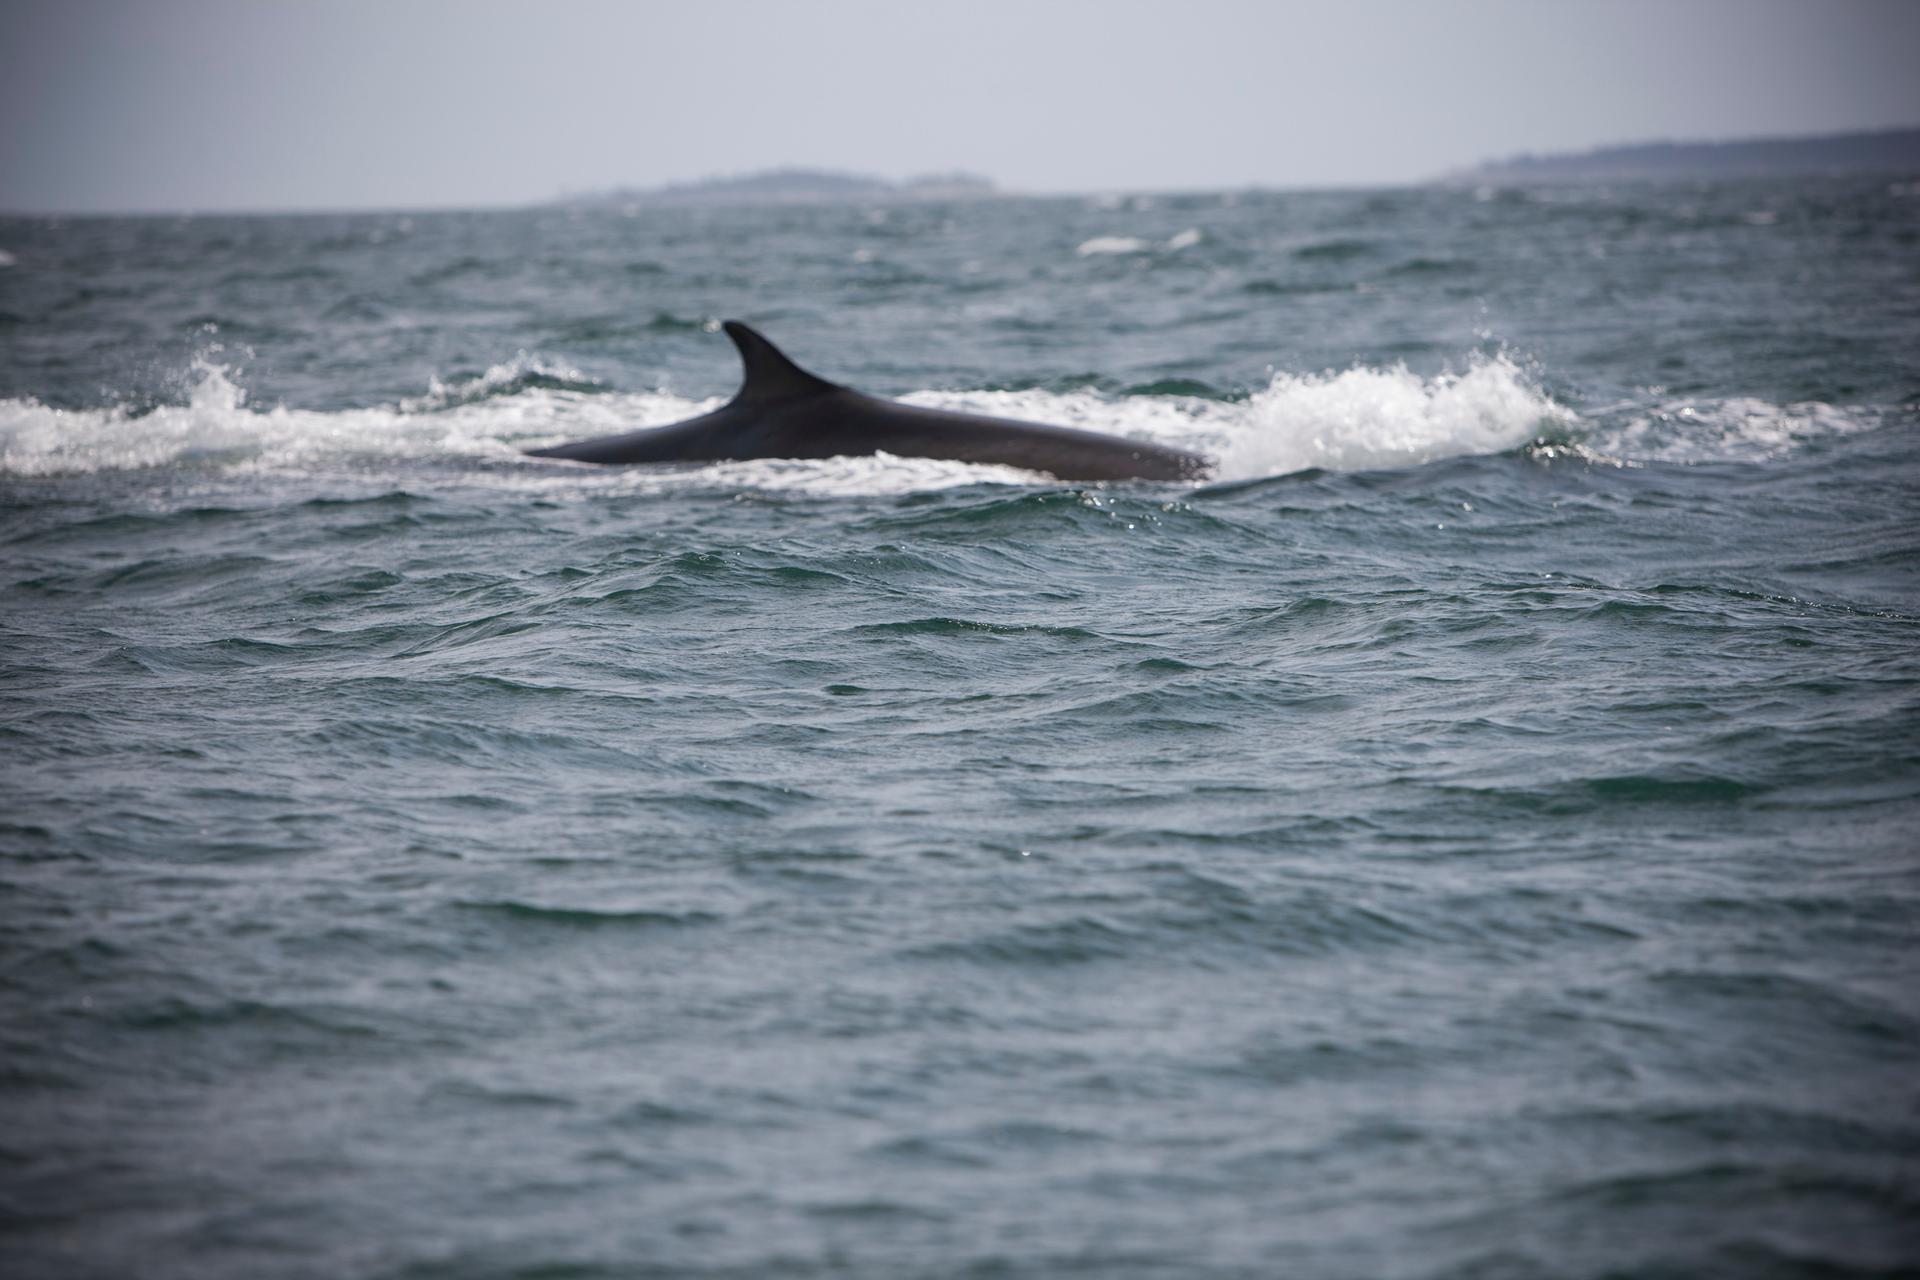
(36, 440)
(218, 430)
(1371, 418)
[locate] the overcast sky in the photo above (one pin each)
(216, 104)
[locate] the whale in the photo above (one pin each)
(782, 411)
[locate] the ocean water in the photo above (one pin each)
(1472, 834)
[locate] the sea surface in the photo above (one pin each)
(1474, 834)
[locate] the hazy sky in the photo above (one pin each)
(215, 104)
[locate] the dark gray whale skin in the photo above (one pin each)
(782, 411)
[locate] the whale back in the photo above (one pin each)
(782, 411)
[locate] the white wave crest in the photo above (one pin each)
(217, 429)
(498, 377)
(1741, 429)
(1111, 244)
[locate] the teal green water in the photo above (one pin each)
(1469, 836)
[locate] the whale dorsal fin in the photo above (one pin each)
(769, 374)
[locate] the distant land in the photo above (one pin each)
(790, 186)
(1883, 151)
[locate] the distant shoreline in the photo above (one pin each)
(1859, 152)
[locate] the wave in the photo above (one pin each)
(1354, 419)
(1738, 429)
(1117, 244)
(522, 373)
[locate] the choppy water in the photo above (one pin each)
(1472, 837)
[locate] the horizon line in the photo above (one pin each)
(1443, 178)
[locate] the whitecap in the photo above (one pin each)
(1112, 244)
(1736, 429)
